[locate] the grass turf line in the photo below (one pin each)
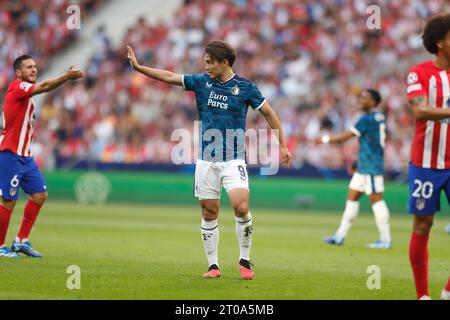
(155, 252)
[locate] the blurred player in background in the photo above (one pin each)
(17, 166)
(222, 99)
(368, 177)
(428, 92)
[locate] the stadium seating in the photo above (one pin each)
(310, 59)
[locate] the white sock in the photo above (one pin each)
(210, 237)
(381, 213)
(350, 214)
(244, 230)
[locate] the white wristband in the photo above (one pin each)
(326, 139)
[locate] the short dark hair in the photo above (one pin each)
(18, 62)
(435, 29)
(376, 96)
(220, 51)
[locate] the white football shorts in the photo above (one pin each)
(367, 183)
(210, 176)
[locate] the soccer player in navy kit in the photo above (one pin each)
(222, 101)
(368, 178)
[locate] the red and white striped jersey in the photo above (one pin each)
(430, 148)
(18, 119)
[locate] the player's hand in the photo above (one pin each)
(132, 57)
(318, 140)
(286, 157)
(73, 74)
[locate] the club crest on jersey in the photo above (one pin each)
(420, 204)
(412, 78)
(12, 192)
(235, 90)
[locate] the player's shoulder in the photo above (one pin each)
(244, 84)
(24, 85)
(423, 67)
(197, 76)
(378, 116)
(13, 84)
(242, 80)
(373, 116)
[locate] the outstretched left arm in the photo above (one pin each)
(275, 124)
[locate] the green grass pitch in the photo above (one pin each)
(155, 252)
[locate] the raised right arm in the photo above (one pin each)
(49, 85)
(157, 74)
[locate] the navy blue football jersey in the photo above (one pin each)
(371, 131)
(222, 108)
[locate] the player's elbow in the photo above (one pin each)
(420, 113)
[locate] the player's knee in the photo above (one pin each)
(9, 204)
(39, 198)
(241, 210)
(375, 197)
(209, 213)
(423, 226)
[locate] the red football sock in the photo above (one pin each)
(5, 216)
(29, 217)
(447, 286)
(418, 256)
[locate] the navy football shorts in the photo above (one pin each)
(425, 186)
(17, 171)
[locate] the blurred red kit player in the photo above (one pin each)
(17, 166)
(428, 92)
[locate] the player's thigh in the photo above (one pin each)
(207, 181)
(33, 181)
(447, 186)
(374, 184)
(425, 186)
(234, 175)
(239, 200)
(10, 176)
(236, 183)
(357, 185)
(375, 197)
(353, 195)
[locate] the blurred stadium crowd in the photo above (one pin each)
(37, 28)
(309, 58)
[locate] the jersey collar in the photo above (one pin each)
(231, 78)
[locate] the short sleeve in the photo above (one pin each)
(190, 81)
(22, 90)
(360, 127)
(415, 83)
(254, 98)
